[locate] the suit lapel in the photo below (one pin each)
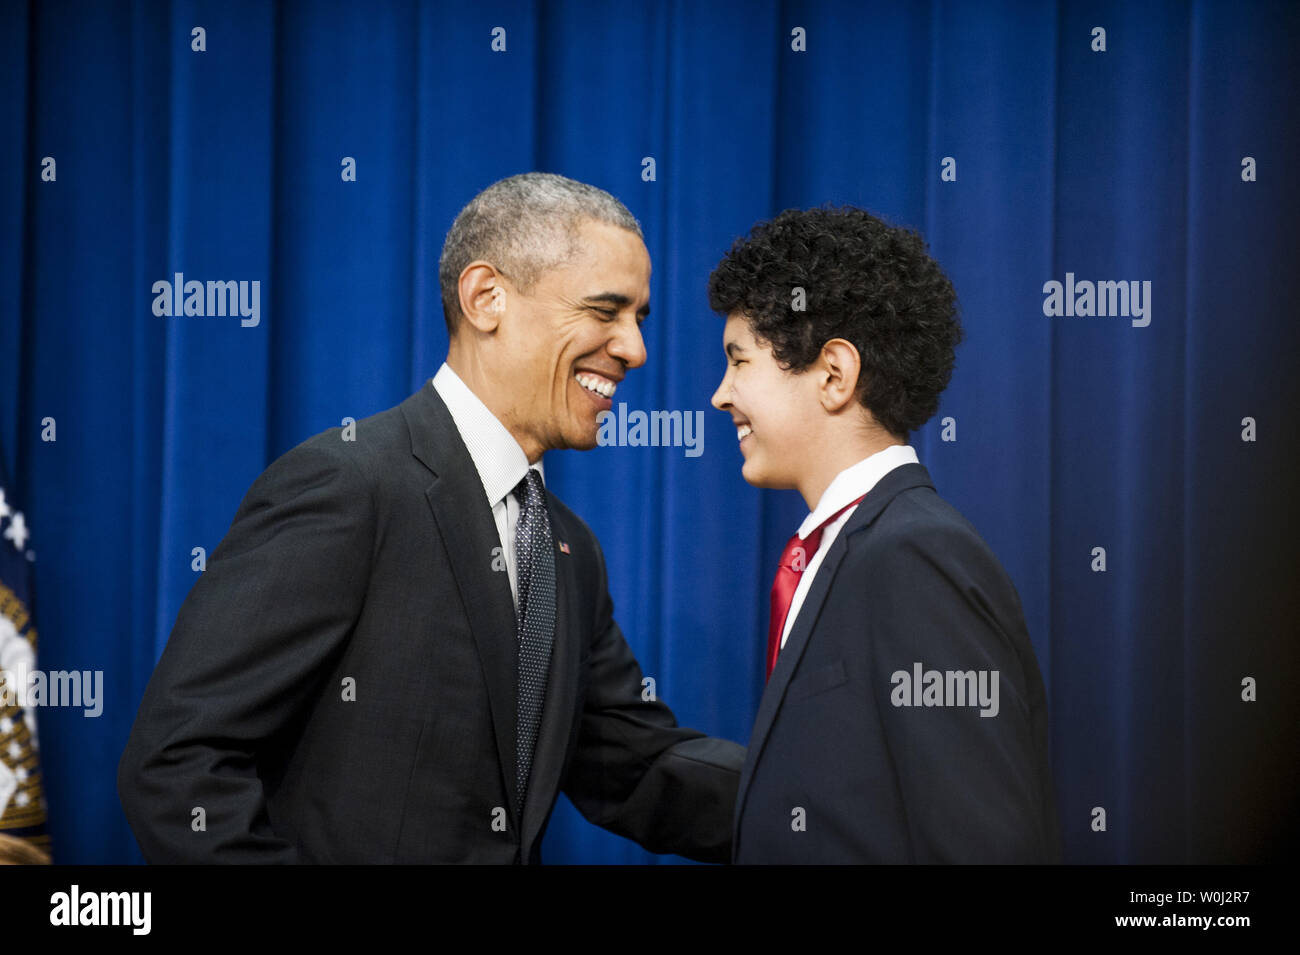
(469, 533)
(787, 660)
(887, 488)
(561, 687)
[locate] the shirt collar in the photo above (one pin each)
(855, 481)
(498, 458)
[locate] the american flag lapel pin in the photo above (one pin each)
(564, 548)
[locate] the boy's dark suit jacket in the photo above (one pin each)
(907, 579)
(373, 567)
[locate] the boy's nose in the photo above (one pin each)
(720, 400)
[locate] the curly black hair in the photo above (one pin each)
(867, 282)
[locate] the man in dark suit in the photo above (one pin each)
(904, 718)
(404, 648)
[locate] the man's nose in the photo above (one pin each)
(628, 346)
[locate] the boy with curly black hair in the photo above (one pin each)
(904, 718)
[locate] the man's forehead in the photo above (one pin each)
(596, 237)
(609, 260)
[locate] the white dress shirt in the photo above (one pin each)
(849, 485)
(498, 458)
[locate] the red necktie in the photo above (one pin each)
(796, 557)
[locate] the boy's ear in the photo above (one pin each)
(838, 368)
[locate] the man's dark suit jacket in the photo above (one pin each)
(374, 565)
(906, 580)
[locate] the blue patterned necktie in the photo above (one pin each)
(535, 571)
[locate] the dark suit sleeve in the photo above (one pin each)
(972, 785)
(635, 771)
(278, 598)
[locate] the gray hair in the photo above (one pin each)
(523, 225)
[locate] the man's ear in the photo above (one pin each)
(483, 293)
(838, 368)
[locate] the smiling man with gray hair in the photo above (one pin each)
(404, 648)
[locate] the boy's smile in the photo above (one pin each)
(797, 429)
(769, 406)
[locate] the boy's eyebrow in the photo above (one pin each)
(618, 299)
(733, 349)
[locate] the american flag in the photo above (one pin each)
(22, 799)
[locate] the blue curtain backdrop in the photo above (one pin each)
(1072, 433)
